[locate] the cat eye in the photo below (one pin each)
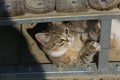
(61, 40)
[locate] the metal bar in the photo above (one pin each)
(43, 70)
(50, 71)
(114, 67)
(40, 19)
(105, 44)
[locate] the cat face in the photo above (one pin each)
(56, 42)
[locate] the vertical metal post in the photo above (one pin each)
(105, 44)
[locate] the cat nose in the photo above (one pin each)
(69, 39)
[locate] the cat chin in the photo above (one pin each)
(57, 53)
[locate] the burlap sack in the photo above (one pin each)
(39, 6)
(71, 6)
(11, 7)
(103, 4)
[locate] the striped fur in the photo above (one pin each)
(68, 48)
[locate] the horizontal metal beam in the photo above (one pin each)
(57, 17)
(50, 71)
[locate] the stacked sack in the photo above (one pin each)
(19, 7)
(11, 8)
(39, 6)
(71, 5)
(45, 6)
(85, 5)
(103, 4)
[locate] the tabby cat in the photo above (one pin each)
(67, 48)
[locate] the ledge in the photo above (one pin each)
(53, 16)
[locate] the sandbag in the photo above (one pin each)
(39, 6)
(11, 8)
(71, 6)
(103, 4)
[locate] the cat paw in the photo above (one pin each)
(92, 48)
(96, 45)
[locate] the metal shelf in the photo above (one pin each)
(39, 18)
(49, 70)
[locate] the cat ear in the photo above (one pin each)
(42, 38)
(55, 23)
